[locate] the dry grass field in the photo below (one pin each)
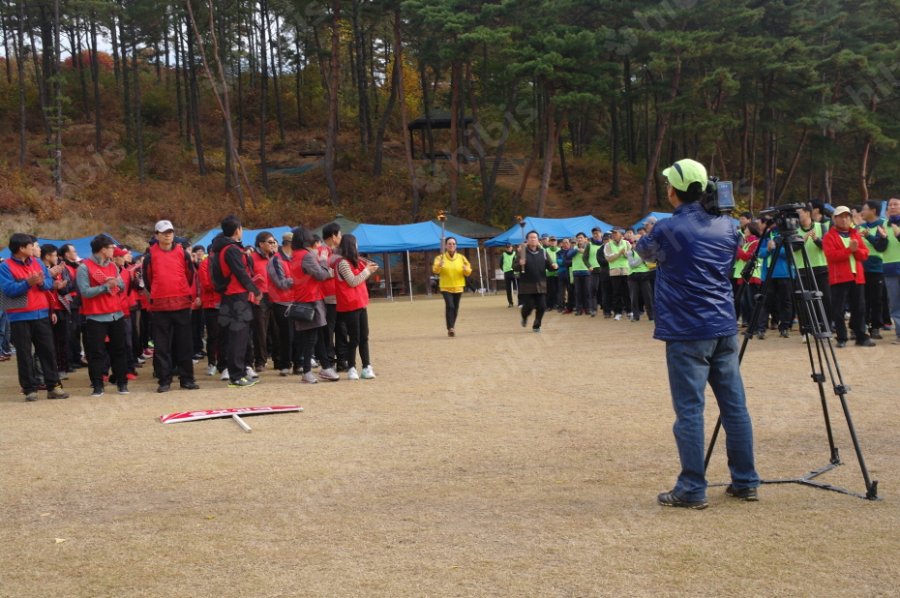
(497, 463)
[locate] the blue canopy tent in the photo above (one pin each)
(82, 245)
(657, 215)
(557, 227)
(404, 238)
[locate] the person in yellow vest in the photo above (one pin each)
(891, 258)
(616, 253)
(507, 261)
(639, 283)
(812, 233)
(453, 268)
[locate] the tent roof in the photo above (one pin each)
(557, 227)
(347, 225)
(462, 226)
(439, 120)
(421, 236)
(657, 215)
(82, 245)
(249, 237)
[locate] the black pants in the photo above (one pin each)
(75, 329)
(281, 344)
(61, 340)
(854, 294)
(336, 341)
(874, 297)
(451, 307)
(145, 324)
(130, 359)
(582, 293)
(509, 281)
(173, 347)
(313, 341)
(779, 300)
(95, 334)
(639, 287)
(214, 354)
(536, 302)
(820, 276)
(39, 334)
(605, 293)
(618, 287)
(596, 291)
(566, 295)
(357, 324)
(235, 317)
(197, 330)
(262, 313)
(552, 292)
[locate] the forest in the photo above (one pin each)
(389, 109)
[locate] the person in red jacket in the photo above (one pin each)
(209, 301)
(24, 280)
(232, 274)
(59, 306)
(352, 299)
(101, 288)
(845, 252)
(169, 280)
(263, 250)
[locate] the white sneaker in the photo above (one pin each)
(329, 375)
(313, 362)
(224, 375)
(368, 373)
(284, 372)
(211, 370)
(309, 378)
(251, 373)
(352, 374)
(618, 317)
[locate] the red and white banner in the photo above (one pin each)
(189, 416)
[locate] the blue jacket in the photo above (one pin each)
(694, 253)
(781, 269)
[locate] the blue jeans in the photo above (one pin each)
(4, 334)
(691, 365)
(892, 284)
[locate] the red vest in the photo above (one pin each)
(104, 303)
(53, 297)
(281, 295)
(306, 288)
(328, 289)
(168, 272)
(351, 298)
(260, 272)
(209, 297)
(37, 297)
(234, 285)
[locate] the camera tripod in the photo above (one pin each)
(816, 329)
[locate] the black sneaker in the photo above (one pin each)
(748, 494)
(876, 335)
(524, 322)
(866, 342)
(242, 383)
(784, 334)
(164, 388)
(190, 385)
(123, 389)
(841, 344)
(670, 499)
(98, 390)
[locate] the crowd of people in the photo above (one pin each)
(302, 303)
(851, 255)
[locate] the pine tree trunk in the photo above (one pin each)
(297, 74)
(57, 89)
(661, 131)
(138, 120)
(455, 76)
(195, 101)
(264, 94)
(382, 124)
(567, 185)
(95, 80)
(126, 87)
(20, 71)
(614, 130)
(176, 44)
(276, 84)
(401, 96)
(6, 54)
(334, 82)
(551, 131)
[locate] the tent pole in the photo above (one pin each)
(489, 276)
(480, 270)
(409, 275)
(388, 291)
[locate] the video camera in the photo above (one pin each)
(718, 197)
(785, 217)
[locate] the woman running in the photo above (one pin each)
(453, 268)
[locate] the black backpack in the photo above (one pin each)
(219, 280)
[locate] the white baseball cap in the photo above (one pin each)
(163, 226)
(841, 210)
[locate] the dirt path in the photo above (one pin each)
(498, 463)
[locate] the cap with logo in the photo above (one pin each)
(684, 172)
(164, 226)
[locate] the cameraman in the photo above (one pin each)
(694, 306)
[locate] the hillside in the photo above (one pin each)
(103, 194)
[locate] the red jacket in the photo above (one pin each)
(840, 267)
